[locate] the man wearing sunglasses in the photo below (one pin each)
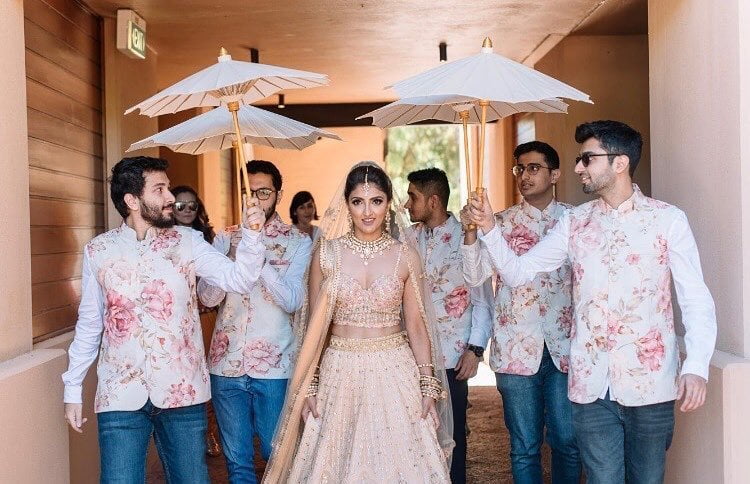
(252, 349)
(625, 250)
(531, 329)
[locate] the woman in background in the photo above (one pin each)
(303, 211)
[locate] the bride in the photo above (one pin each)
(369, 382)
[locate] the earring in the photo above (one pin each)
(388, 220)
(350, 221)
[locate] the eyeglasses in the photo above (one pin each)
(182, 206)
(262, 193)
(532, 168)
(586, 157)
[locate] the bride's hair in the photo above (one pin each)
(375, 175)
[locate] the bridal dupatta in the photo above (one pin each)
(312, 325)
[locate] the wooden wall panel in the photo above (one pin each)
(66, 169)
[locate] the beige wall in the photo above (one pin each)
(320, 168)
(15, 258)
(126, 83)
(613, 70)
(700, 89)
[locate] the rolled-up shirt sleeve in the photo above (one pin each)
(546, 256)
(219, 270)
(696, 302)
(88, 334)
(288, 291)
(475, 263)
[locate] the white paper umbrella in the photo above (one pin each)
(449, 108)
(214, 130)
(489, 82)
(226, 81)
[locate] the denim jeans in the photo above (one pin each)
(531, 403)
(246, 407)
(459, 401)
(180, 436)
(623, 444)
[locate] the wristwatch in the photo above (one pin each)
(477, 350)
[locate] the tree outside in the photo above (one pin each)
(411, 148)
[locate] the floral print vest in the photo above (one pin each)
(152, 345)
(441, 256)
(538, 313)
(253, 335)
(624, 332)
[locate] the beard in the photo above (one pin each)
(270, 211)
(605, 180)
(154, 215)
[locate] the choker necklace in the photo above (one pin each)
(367, 250)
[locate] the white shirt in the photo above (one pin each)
(210, 265)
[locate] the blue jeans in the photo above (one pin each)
(531, 403)
(246, 407)
(180, 436)
(623, 444)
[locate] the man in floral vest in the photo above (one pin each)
(625, 251)
(463, 314)
(138, 292)
(531, 329)
(253, 345)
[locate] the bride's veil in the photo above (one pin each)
(311, 326)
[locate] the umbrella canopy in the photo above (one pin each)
(226, 81)
(490, 77)
(215, 130)
(448, 108)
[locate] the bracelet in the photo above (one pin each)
(426, 365)
(312, 389)
(431, 387)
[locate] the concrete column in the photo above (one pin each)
(15, 256)
(699, 66)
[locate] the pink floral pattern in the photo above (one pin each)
(120, 320)
(651, 350)
(180, 395)
(521, 239)
(165, 239)
(158, 300)
(528, 316)
(260, 356)
(219, 346)
(456, 302)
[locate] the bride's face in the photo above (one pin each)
(368, 209)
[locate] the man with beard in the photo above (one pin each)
(138, 292)
(462, 313)
(625, 250)
(253, 345)
(531, 332)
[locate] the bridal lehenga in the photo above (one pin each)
(370, 428)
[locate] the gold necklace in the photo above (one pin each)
(368, 249)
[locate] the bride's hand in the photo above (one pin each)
(428, 408)
(310, 406)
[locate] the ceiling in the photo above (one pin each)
(362, 45)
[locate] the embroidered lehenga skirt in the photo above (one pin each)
(370, 428)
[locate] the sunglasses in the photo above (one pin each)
(182, 206)
(532, 168)
(586, 157)
(262, 193)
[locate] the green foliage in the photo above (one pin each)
(413, 148)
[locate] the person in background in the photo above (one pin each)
(303, 211)
(189, 211)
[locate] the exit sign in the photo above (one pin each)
(131, 34)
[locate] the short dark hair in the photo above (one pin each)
(549, 153)
(432, 181)
(262, 166)
(129, 176)
(299, 199)
(375, 175)
(615, 137)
